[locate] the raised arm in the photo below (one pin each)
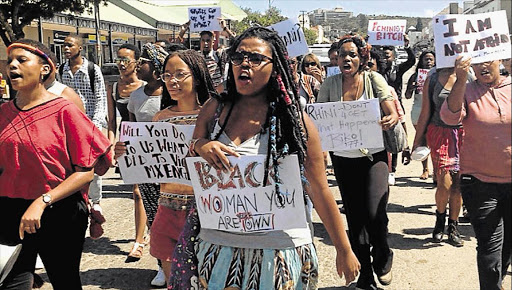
(455, 99)
(326, 207)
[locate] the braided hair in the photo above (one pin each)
(285, 119)
(202, 78)
(363, 48)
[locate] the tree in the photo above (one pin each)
(271, 16)
(419, 24)
(310, 35)
(16, 14)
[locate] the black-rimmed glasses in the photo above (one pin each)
(253, 58)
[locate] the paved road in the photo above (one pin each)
(418, 264)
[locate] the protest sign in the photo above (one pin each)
(155, 152)
(483, 37)
(204, 18)
(291, 33)
(347, 125)
(421, 78)
(333, 70)
(386, 32)
(238, 201)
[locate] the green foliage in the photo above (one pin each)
(310, 35)
(271, 16)
(16, 14)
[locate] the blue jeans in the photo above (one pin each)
(489, 207)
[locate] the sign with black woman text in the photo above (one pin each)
(484, 37)
(238, 201)
(155, 152)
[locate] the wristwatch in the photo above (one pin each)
(47, 199)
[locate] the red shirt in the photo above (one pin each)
(41, 147)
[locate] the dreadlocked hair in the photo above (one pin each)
(202, 78)
(285, 119)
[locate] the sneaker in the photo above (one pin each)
(159, 280)
(97, 213)
(391, 178)
(454, 237)
(384, 274)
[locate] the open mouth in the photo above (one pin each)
(346, 67)
(14, 76)
(485, 73)
(244, 76)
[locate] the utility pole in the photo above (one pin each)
(99, 59)
(303, 20)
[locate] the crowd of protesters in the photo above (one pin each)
(58, 135)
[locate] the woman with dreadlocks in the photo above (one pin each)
(362, 174)
(260, 114)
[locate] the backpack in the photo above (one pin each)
(90, 71)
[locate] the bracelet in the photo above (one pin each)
(192, 147)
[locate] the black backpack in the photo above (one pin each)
(90, 71)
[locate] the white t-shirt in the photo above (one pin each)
(144, 107)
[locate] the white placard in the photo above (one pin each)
(291, 32)
(421, 78)
(347, 125)
(484, 37)
(238, 201)
(386, 32)
(333, 70)
(155, 153)
(204, 18)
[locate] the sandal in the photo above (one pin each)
(136, 253)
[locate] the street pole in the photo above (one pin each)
(98, 36)
(303, 20)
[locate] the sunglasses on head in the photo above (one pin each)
(253, 58)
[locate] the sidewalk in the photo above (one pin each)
(418, 263)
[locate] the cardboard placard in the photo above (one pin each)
(204, 18)
(293, 36)
(347, 125)
(155, 153)
(238, 202)
(484, 37)
(421, 78)
(386, 32)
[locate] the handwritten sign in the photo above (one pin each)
(421, 78)
(239, 201)
(155, 152)
(484, 37)
(333, 70)
(204, 18)
(386, 32)
(293, 36)
(347, 125)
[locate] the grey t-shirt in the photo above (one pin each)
(144, 107)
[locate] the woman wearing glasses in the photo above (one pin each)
(260, 114)
(143, 104)
(187, 86)
(311, 66)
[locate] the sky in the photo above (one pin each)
(410, 8)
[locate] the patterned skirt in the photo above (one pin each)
(222, 267)
(150, 192)
(444, 144)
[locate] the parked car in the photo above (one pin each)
(110, 73)
(321, 51)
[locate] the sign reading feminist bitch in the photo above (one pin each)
(347, 125)
(238, 201)
(386, 32)
(155, 153)
(204, 18)
(484, 37)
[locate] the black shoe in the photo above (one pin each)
(453, 234)
(384, 274)
(438, 233)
